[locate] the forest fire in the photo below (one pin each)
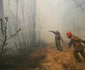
(42, 35)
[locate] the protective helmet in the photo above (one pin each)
(69, 34)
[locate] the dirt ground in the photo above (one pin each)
(44, 58)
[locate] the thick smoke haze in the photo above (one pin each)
(36, 17)
(62, 15)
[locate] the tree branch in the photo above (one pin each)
(14, 34)
(1, 40)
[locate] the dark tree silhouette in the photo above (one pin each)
(4, 41)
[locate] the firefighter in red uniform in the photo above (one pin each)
(78, 48)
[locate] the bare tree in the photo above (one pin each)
(1, 21)
(4, 41)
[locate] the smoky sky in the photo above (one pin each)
(62, 15)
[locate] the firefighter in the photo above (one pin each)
(78, 48)
(57, 39)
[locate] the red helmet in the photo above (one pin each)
(69, 34)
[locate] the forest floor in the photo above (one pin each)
(43, 58)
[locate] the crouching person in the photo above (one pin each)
(78, 48)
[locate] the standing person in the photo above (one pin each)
(78, 48)
(57, 39)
